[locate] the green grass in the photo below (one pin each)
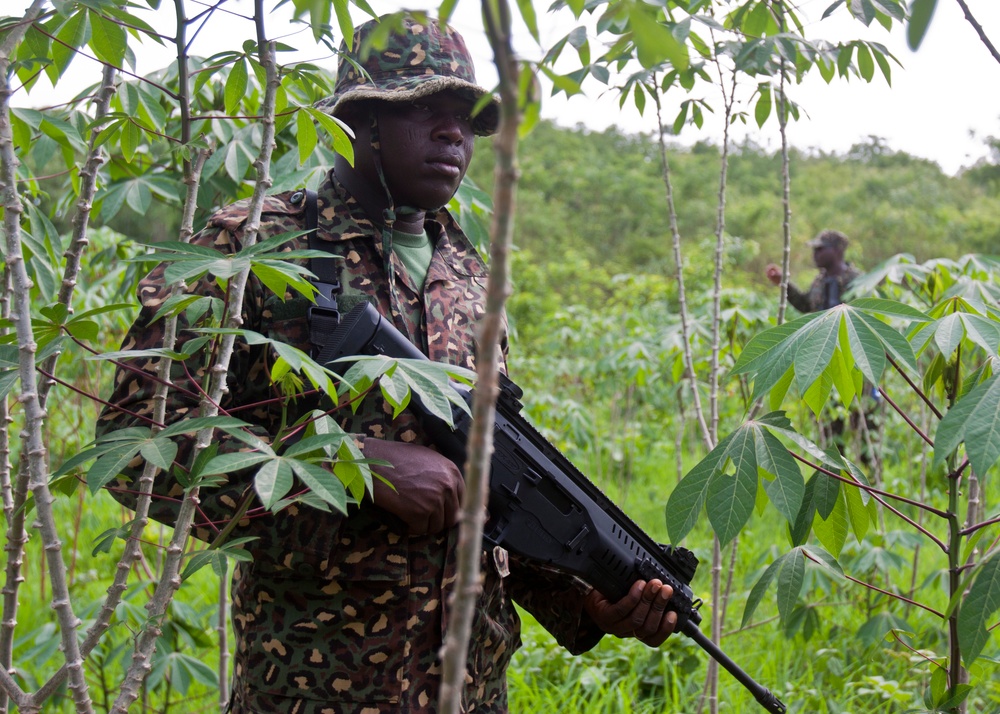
(846, 664)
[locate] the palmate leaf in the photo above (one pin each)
(978, 608)
(322, 483)
(975, 420)
(832, 529)
(813, 355)
(654, 42)
(686, 500)
(809, 346)
(775, 356)
(865, 349)
(789, 570)
(787, 489)
(730, 497)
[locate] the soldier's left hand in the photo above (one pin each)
(641, 614)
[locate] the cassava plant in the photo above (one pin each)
(939, 358)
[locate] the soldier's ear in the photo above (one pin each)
(355, 115)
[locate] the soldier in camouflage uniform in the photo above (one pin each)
(835, 274)
(826, 291)
(346, 613)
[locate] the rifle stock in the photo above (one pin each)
(541, 506)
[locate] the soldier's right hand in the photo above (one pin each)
(428, 487)
(773, 273)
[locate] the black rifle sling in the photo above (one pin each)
(324, 316)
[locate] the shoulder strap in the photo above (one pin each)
(325, 269)
(324, 316)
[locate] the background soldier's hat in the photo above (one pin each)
(831, 239)
(419, 58)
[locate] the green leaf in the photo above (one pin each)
(948, 333)
(8, 378)
(527, 9)
(762, 346)
(686, 500)
(799, 531)
(790, 577)
(951, 430)
(73, 34)
(230, 425)
(756, 21)
(790, 570)
(983, 332)
(107, 39)
(131, 137)
(982, 432)
(892, 342)
(762, 109)
(654, 42)
(856, 511)
(236, 86)
(340, 134)
(832, 531)
(866, 66)
(813, 355)
(322, 482)
(731, 498)
(758, 590)
(233, 462)
(272, 481)
(825, 493)
(787, 488)
(865, 348)
(215, 558)
(104, 542)
(306, 137)
(921, 12)
(977, 610)
(883, 65)
(110, 465)
(842, 373)
(160, 452)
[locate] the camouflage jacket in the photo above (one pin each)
(825, 292)
(343, 613)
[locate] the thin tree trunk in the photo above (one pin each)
(33, 475)
(720, 596)
(170, 577)
(497, 20)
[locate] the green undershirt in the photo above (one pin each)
(415, 252)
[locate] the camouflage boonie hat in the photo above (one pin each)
(831, 239)
(422, 59)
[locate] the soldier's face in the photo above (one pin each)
(426, 147)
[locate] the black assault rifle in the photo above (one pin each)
(541, 506)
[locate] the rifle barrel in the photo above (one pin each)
(762, 694)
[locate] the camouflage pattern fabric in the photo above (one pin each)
(826, 291)
(342, 613)
(421, 59)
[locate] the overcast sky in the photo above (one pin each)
(943, 101)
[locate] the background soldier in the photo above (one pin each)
(347, 613)
(835, 274)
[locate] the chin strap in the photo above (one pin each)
(391, 212)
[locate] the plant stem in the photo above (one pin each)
(956, 672)
(497, 22)
(170, 579)
(699, 412)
